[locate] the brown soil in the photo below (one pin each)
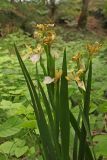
(70, 31)
(95, 25)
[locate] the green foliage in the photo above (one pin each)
(10, 127)
(64, 111)
(105, 7)
(15, 148)
(52, 147)
(15, 101)
(20, 137)
(5, 4)
(100, 145)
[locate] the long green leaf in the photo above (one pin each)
(64, 112)
(50, 72)
(75, 146)
(50, 61)
(50, 117)
(48, 147)
(86, 125)
(77, 130)
(75, 125)
(57, 109)
(47, 106)
(82, 147)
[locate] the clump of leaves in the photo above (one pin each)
(56, 120)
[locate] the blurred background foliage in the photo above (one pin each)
(17, 24)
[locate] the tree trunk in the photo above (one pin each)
(53, 9)
(82, 22)
(12, 1)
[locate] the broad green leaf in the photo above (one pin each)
(102, 108)
(20, 151)
(4, 104)
(32, 150)
(6, 147)
(101, 145)
(14, 148)
(10, 127)
(16, 92)
(29, 124)
(93, 107)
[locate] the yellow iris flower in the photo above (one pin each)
(58, 75)
(93, 48)
(77, 57)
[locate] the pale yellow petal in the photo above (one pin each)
(81, 85)
(35, 58)
(48, 80)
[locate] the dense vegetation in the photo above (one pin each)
(19, 134)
